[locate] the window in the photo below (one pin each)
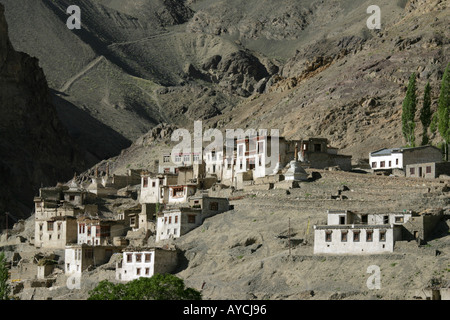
(165, 220)
(59, 226)
(327, 236)
(154, 184)
(147, 271)
(382, 235)
(176, 219)
(148, 257)
(374, 164)
(396, 162)
(261, 147)
(145, 182)
(390, 164)
(399, 219)
(138, 271)
(71, 198)
(129, 257)
(138, 257)
(177, 158)
(82, 228)
(40, 227)
(386, 220)
(356, 234)
(344, 236)
(196, 157)
(428, 169)
(191, 218)
(364, 219)
(166, 159)
(412, 171)
(369, 235)
(341, 219)
(382, 164)
(187, 158)
(97, 231)
(50, 225)
(170, 219)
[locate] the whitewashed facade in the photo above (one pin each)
(145, 262)
(399, 158)
(350, 233)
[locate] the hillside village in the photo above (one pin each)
(136, 224)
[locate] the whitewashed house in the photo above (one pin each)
(351, 233)
(145, 262)
(398, 158)
(79, 257)
(99, 232)
(153, 186)
(174, 222)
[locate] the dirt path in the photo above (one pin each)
(72, 80)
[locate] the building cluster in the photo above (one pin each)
(179, 195)
(256, 161)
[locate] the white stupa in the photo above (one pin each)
(296, 171)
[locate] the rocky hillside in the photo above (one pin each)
(309, 68)
(35, 147)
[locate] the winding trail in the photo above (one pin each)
(72, 80)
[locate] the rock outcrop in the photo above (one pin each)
(35, 148)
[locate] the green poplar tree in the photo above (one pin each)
(425, 114)
(409, 111)
(5, 288)
(444, 110)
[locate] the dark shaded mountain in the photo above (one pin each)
(35, 147)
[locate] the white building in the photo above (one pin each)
(399, 158)
(145, 262)
(99, 232)
(153, 186)
(79, 257)
(350, 233)
(175, 222)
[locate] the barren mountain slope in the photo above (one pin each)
(352, 93)
(135, 64)
(35, 147)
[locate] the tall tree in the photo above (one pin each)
(409, 112)
(425, 114)
(5, 289)
(444, 110)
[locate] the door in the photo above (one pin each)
(420, 172)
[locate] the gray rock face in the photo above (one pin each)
(34, 146)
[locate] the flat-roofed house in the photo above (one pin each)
(387, 159)
(145, 262)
